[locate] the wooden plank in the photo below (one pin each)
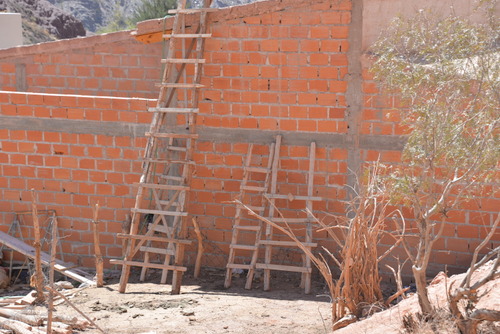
(252, 188)
(171, 135)
(151, 238)
(167, 161)
(238, 266)
(179, 85)
(159, 212)
(291, 220)
(29, 251)
(183, 61)
(167, 36)
(161, 186)
(282, 268)
(298, 198)
(175, 110)
(157, 250)
(286, 243)
(148, 265)
(263, 170)
(247, 227)
(192, 11)
(245, 247)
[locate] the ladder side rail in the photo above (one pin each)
(258, 237)
(269, 229)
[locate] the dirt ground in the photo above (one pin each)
(204, 306)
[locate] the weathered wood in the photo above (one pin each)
(286, 243)
(166, 36)
(160, 239)
(199, 254)
(29, 251)
(148, 265)
(281, 267)
(26, 318)
(51, 274)
(17, 327)
(76, 309)
(99, 265)
(159, 212)
(74, 322)
(37, 280)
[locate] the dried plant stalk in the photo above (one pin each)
(358, 259)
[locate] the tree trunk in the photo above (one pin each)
(423, 297)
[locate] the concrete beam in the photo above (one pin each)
(219, 135)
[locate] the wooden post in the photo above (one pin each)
(37, 278)
(97, 249)
(199, 255)
(53, 250)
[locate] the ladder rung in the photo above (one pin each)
(183, 61)
(179, 85)
(298, 198)
(160, 228)
(148, 265)
(177, 149)
(167, 161)
(255, 208)
(287, 243)
(283, 268)
(291, 220)
(252, 188)
(157, 250)
(166, 36)
(257, 169)
(247, 227)
(246, 247)
(172, 178)
(238, 266)
(171, 135)
(174, 110)
(192, 10)
(160, 212)
(161, 186)
(153, 238)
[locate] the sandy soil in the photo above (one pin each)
(205, 307)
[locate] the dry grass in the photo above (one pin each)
(358, 287)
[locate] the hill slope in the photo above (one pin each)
(42, 21)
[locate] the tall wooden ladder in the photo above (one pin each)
(254, 185)
(159, 221)
(269, 241)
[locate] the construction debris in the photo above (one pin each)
(15, 319)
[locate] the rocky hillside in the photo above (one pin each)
(42, 21)
(97, 14)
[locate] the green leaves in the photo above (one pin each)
(447, 70)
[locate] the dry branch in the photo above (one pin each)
(26, 318)
(37, 278)
(51, 274)
(97, 249)
(76, 309)
(467, 323)
(199, 255)
(359, 282)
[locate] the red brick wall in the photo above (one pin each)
(105, 65)
(71, 170)
(278, 72)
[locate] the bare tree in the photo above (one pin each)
(447, 71)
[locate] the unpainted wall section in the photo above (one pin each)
(284, 72)
(105, 65)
